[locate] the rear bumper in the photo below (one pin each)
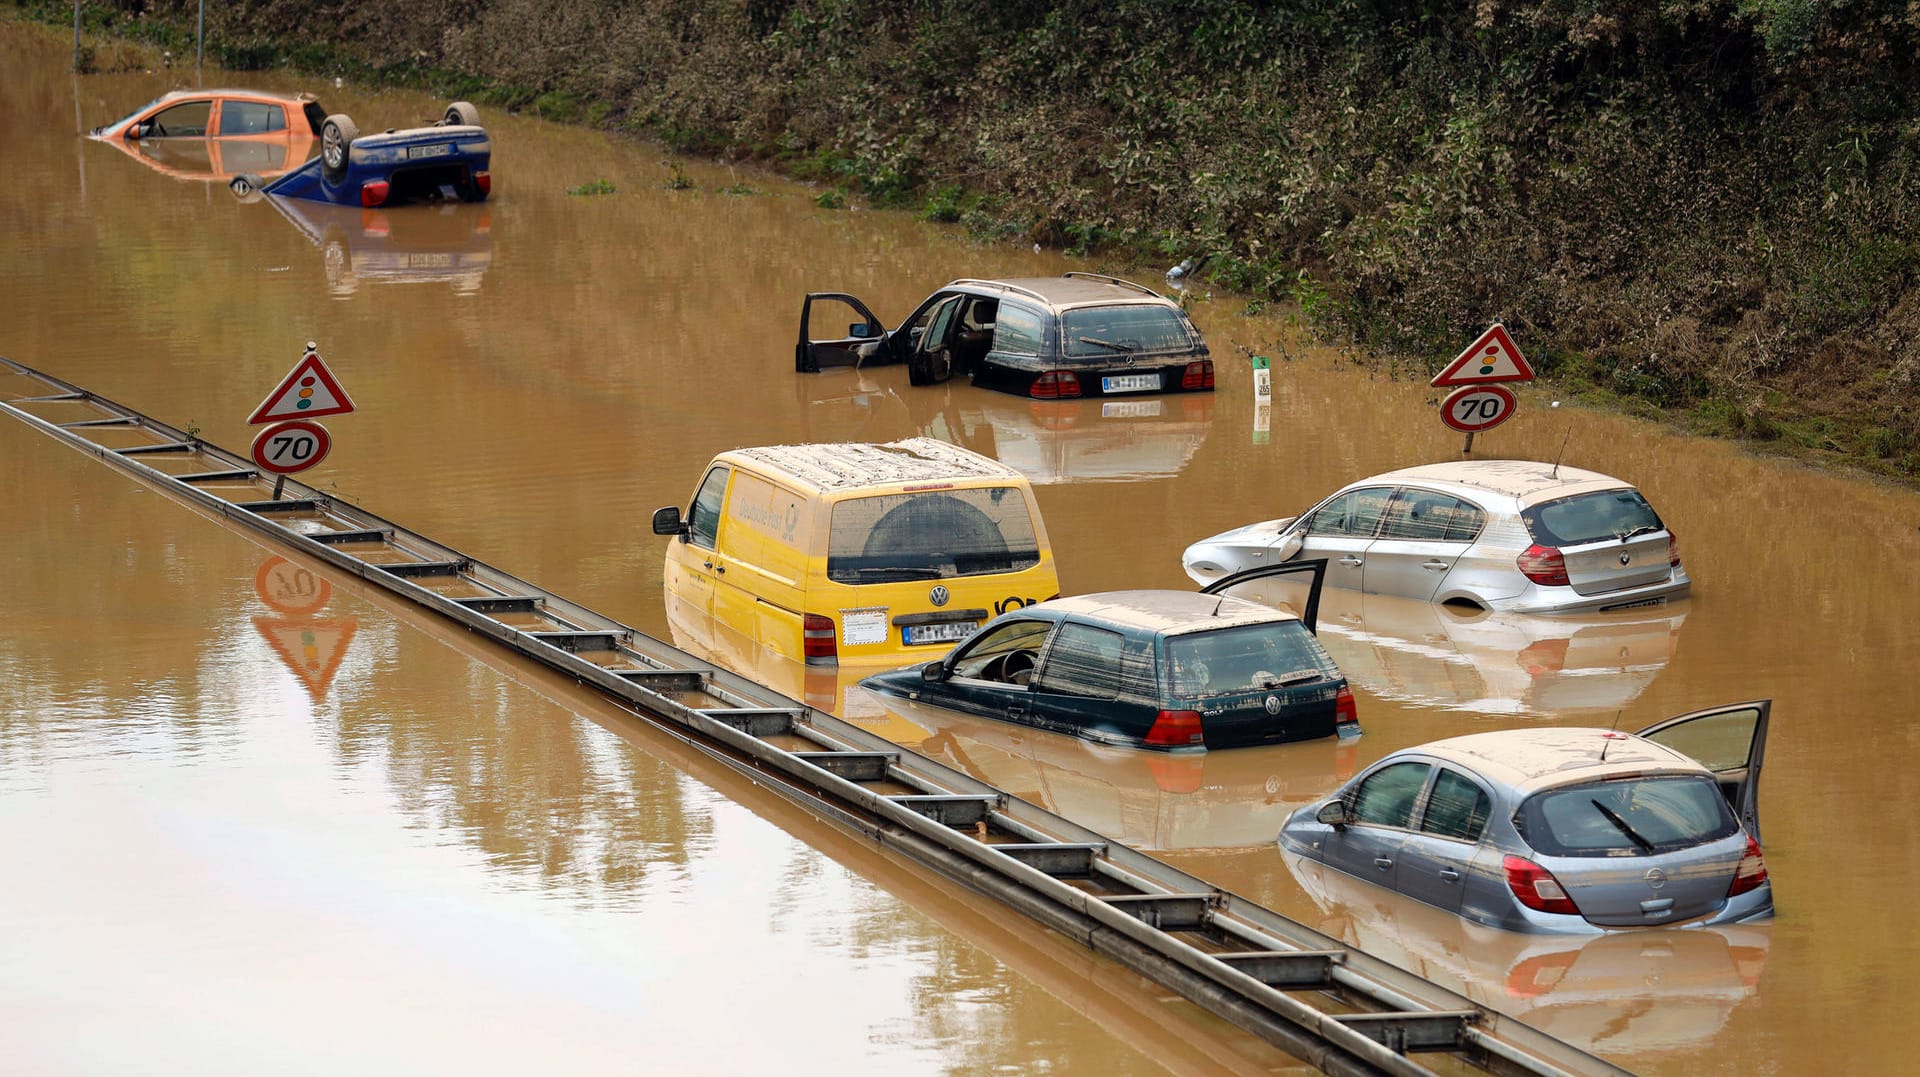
(1537, 599)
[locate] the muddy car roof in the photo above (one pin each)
(840, 466)
(1530, 760)
(1071, 290)
(1526, 481)
(1168, 612)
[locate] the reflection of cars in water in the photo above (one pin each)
(1166, 670)
(1499, 534)
(1617, 993)
(450, 243)
(1461, 658)
(217, 134)
(445, 161)
(1562, 830)
(1050, 338)
(1079, 440)
(1149, 800)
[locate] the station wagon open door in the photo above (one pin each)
(1729, 741)
(833, 351)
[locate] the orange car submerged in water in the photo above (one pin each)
(218, 134)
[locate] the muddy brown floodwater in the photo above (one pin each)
(256, 817)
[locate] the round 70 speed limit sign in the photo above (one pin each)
(295, 445)
(1472, 408)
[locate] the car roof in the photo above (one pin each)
(1169, 613)
(1529, 760)
(843, 466)
(1072, 290)
(263, 95)
(1526, 481)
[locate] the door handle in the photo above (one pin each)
(721, 569)
(1436, 566)
(1383, 862)
(1449, 875)
(1350, 559)
(706, 564)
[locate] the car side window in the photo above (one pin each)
(251, 118)
(987, 657)
(1355, 514)
(1019, 330)
(941, 326)
(704, 524)
(1457, 807)
(185, 120)
(1425, 514)
(1084, 661)
(1386, 797)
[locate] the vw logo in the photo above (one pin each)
(1273, 704)
(938, 596)
(1656, 878)
(1625, 557)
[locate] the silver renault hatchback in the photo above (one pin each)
(1517, 535)
(1561, 830)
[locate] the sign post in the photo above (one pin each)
(1479, 400)
(1262, 397)
(295, 442)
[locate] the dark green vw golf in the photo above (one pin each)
(1167, 670)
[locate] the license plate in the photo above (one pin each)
(429, 261)
(1129, 409)
(944, 632)
(1129, 383)
(439, 150)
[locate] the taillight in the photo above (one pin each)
(484, 181)
(374, 194)
(1673, 549)
(1176, 729)
(816, 638)
(1536, 887)
(1055, 385)
(1344, 710)
(1198, 375)
(1543, 565)
(1752, 871)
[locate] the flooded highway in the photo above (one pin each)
(241, 798)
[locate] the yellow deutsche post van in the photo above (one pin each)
(853, 552)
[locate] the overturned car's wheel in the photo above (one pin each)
(246, 186)
(336, 138)
(461, 114)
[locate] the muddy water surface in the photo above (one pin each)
(234, 812)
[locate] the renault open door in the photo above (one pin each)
(1729, 741)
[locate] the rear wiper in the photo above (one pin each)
(1298, 676)
(1614, 818)
(1108, 344)
(1641, 530)
(885, 574)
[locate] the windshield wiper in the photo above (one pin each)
(1108, 344)
(1614, 818)
(867, 575)
(1641, 530)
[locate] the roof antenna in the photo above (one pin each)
(1563, 451)
(1607, 741)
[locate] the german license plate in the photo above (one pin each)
(1129, 409)
(441, 149)
(944, 632)
(1130, 383)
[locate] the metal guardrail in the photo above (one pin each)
(1317, 998)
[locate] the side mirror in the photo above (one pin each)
(667, 521)
(1288, 545)
(1333, 813)
(138, 131)
(934, 672)
(862, 330)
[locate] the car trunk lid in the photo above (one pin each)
(1639, 891)
(1612, 565)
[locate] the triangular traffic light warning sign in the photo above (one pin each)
(312, 649)
(1492, 358)
(309, 391)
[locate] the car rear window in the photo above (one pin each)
(931, 535)
(1608, 514)
(1109, 331)
(1244, 658)
(1664, 813)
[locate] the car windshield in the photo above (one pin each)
(130, 115)
(931, 535)
(1626, 817)
(1244, 658)
(1607, 514)
(1121, 330)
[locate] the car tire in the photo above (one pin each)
(336, 141)
(461, 114)
(246, 186)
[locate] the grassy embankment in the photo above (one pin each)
(1703, 211)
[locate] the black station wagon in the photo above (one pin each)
(1050, 338)
(1169, 670)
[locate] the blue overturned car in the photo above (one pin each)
(448, 160)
